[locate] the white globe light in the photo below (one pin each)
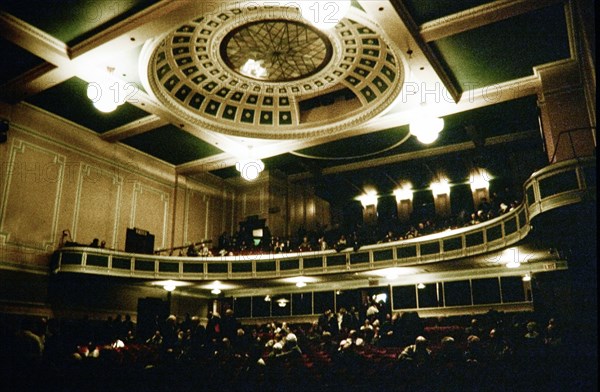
(105, 105)
(426, 128)
(250, 169)
(107, 93)
(441, 187)
(427, 137)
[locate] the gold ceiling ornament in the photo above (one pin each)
(266, 72)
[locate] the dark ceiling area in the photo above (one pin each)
(42, 42)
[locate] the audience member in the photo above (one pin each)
(304, 354)
(417, 354)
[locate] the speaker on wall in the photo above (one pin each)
(3, 131)
(139, 241)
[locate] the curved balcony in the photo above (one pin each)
(554, 186)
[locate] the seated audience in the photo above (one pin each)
(417, 354)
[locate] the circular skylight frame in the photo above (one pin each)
(204, 91)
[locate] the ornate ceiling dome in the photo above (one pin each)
(264, 72)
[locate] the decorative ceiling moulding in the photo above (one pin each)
(351, 74)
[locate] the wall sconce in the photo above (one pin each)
(421, 286)
(368, 199)
(170, 285)
(527, 277)
(404, 193)
(442, 187)
(480, 180)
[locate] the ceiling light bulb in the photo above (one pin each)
(427, 137)
(250, 169)
(216, 291)
(282, 302)
(107, 93)
(513, 264)
(301, 284)
(426, 128)
(169, 286)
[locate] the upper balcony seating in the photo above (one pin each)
(557, 185)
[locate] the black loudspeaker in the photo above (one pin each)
(151, 314)
(139, 241)
(3, 131)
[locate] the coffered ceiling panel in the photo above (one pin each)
(71, 21)
(15, 60)
(172, 145)
(505, 50)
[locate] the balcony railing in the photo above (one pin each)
(557, 185)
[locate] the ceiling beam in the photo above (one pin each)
(32, 39)
(426, 153)
(86, 58)
(136, 29)
(127, 34)
(215, 162)
(54, 52)
(413, 29)
(479, 16)
(471, 99)
(34, 81)
(134, 128)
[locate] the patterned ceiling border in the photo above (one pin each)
(185, 71)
